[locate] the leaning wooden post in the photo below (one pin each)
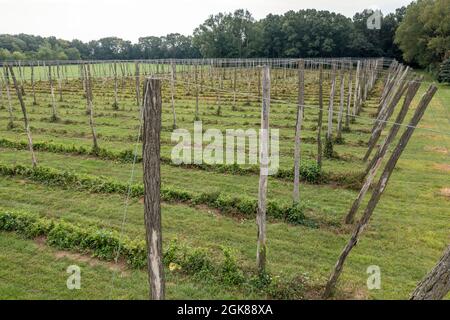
(377, 160)
(25, 116)
(264, 168)
(379, 189)
(298, 128)
(152, 186)
(320, 119)
(436, 283)
(381, 121)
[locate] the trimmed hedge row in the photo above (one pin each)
(105, 244)
(225, 203)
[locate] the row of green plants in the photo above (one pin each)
(177, 257)
(310, 172)
(226, 204)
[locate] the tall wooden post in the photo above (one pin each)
(8, 96)
(264, 167)
(116, 100)
(379, 189)
(349, 97)
(25, 116)
(54, 116)
(298, 128)
(328, 150)
(341, 106)
(33, 85)
(172, 93)
(197, 116)
(320, 119)
(152, 186)
(137, 79)
(89, 97)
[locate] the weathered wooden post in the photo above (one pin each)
(197, 116)
(436, 283)
(58, 74)
(89, 97)
(10, 124)
(320, 119)
(264, 168)
(172, 92)
(381, 121)
(328, 151)
(33, 84)
(341, 106)
(152, 186)
(138, 85)
(349, 98)
(25, 116)
(377, 160)
(379, 189)
(298, 128)
(54, 116)
(116, 100)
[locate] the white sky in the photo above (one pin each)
(131, 19)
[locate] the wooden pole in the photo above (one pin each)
(89, 97)
(54, 116)
(436, 283)
(116, 100)
(341, 106)
(58, 74)
(8, 96)
(172, 93)
(377, 160)
(25, 116)
(328, 151)
(381, 122)
(379, 189)
(152, 186)
(298, 128)
(320, 119)
(33, 85)
(137, 80)
(349, 97)
(264, 165)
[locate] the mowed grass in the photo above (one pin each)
(408, 232)
(31, 270)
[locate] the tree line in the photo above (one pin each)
(416, 34)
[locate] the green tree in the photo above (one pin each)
(72, 54)
(5, 54)
(424, 34)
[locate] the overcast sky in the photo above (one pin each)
(130, 19)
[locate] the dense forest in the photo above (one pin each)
(305, 33)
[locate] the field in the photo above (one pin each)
(405, 238)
